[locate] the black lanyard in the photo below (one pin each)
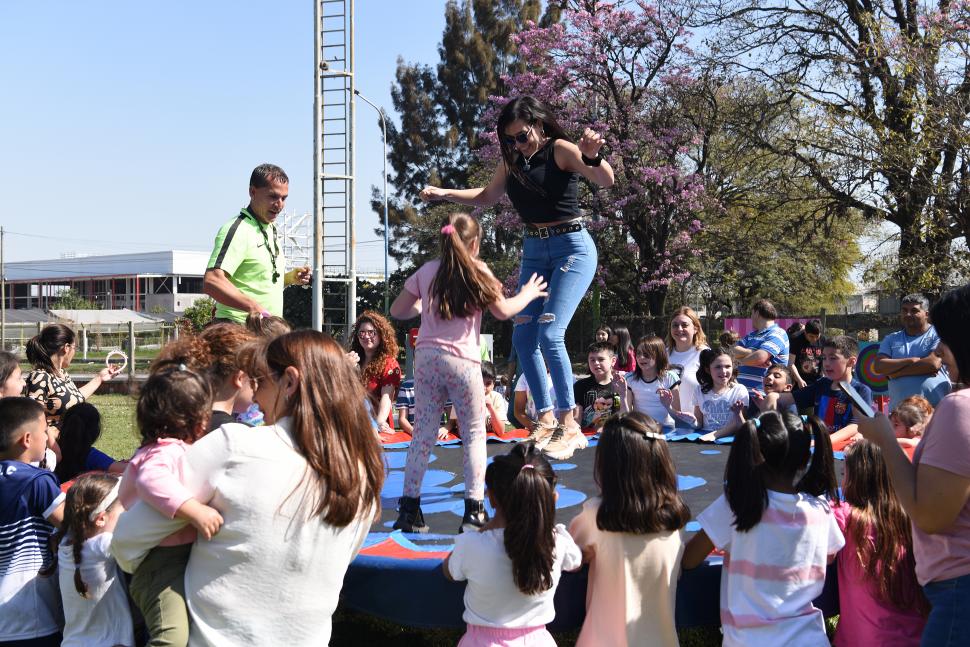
(273, 254)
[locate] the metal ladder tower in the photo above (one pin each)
(334, 238)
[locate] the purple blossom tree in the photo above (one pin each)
(621, 68)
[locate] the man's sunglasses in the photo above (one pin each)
(521, 138)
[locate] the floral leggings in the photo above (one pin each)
(438, 377)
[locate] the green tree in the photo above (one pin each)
(197, 315)
(71, 300)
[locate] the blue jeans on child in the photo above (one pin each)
(949, 622)
(567, 262)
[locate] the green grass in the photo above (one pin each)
(119, 439)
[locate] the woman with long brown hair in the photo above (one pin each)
(374, 348)
(297, 497)
(685, 341)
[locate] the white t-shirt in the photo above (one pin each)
(686, 364)
(716, 407)
(530, 406)
(645, 398)
(103, 617)
(773, 571)
(268, 577)
(491, 598)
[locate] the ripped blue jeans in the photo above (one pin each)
(567, 262)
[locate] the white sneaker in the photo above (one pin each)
(565, 441)
(542, 435)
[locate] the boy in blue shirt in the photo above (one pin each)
(829, 402)
(31, 505)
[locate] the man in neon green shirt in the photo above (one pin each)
(245, 274)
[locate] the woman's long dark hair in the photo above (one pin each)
(534, 113)
(636, 477)
(522, 485)
(708, 355)
(776, 445)
(461, 286)
(51, 339)
(82, 499)
(624, 344)
(174, 402)
(331, 428)
(80, 429)
(880, 529)
(949, 316)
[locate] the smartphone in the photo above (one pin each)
(858, 402)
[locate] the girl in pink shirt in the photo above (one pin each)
(880, 600)
(450, 293)
(172, 412)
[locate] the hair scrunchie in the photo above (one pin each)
(448, 229)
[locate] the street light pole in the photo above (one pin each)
(380, 112)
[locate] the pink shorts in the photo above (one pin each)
(479, 636)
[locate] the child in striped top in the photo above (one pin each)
(776, 527)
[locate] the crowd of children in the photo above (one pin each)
(780, 521)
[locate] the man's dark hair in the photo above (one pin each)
(15, 413)
(265, 174)
(488, 371)
(846, 345)
(916, 298)
(814, 327)
(601, 346)
(765, 308)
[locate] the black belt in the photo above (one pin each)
(532, 231)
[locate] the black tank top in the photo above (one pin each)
(560, 201)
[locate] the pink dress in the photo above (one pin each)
(864, 619)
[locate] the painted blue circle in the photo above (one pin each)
(710, 452)
(692, 526)
(394, 483)
(567, 498)
(689, 482)
(562, 467)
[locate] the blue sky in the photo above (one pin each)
(133, 126)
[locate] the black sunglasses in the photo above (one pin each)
(521, 138)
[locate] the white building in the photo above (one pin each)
(145, 282)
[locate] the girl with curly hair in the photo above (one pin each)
(373, 347)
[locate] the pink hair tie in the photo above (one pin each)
(527, 466)
(448, 229)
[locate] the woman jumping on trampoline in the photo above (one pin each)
(540, 171)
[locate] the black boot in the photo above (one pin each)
(409, 518)
(475, 516)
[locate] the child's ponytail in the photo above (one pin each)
(522, 484)
(744, 479)
(462, 284)
(820, 477)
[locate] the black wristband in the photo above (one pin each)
(592, 161)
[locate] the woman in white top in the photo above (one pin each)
(685, 341)
(297, 497)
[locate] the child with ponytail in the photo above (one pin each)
(95, 603)
(776, 526)
(450, 294)
(882, 602)
(513, 566)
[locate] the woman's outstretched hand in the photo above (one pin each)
(590, 143)
(433, 194)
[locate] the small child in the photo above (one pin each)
(496, 408)
(80, 429)
(404, 406)
(603, 334)
(600, 395)
(632, 536)
(92, 587)
(31, 505)
(650, 379)
(777, 528)
(450, 293)
(777, 380)
(626, 358)
(910, 418)
(172, 412)
(513, 565)
(12, 382)
(831, 404)
(877, 572)
(721, 401)
(267, 328)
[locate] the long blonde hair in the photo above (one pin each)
(700, 339)
(462, 284)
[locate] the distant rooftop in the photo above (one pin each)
(143, 263)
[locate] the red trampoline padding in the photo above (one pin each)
(392, 549)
